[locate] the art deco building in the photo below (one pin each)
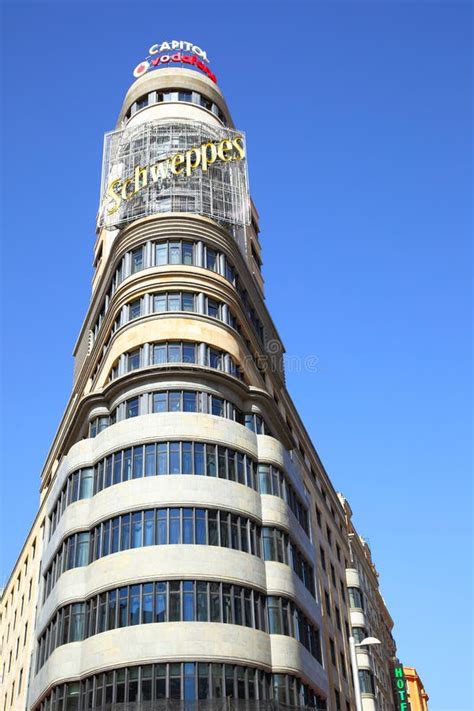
(189, 543)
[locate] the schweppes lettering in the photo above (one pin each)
(179, 164)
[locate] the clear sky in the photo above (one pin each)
(358, 120)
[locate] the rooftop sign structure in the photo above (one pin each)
(185, 54)
(169, 166)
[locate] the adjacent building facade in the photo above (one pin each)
(189, 544)
(369, 617)
(417, 696)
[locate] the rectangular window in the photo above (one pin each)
(211, 259)
(159, 303)
(189, 402)
(188, 302)
(174, 399)
(131, 407)
(87, 482)
(189, 353)
(134, 309)
(149, 528)
(187, 448)
(174, 302)
(212, 308)
(160, 602)
(147, 603)
(159, 354)
(161, 254)
(175, 253)
(137, 529)
(188, 256)
(174, 353)
(160, 402)
(133, 360)
(137, 259)
(150, 460)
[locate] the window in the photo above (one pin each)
(132, 407)
(359, 634)
(343, 665)
(329, 535)
(327, 603)
(134, 308)
(366, 681)
(318, 517)
(137, 260)
(323, 557)
(133, 360)
(355, 598)
(332, 649)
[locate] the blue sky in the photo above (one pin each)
(358, 122)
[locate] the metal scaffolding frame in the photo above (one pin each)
(220, 193)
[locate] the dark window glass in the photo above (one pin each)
(137, 259)
(131, 407)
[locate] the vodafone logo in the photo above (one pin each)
(141, 68)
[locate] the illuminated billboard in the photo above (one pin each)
(170, 166)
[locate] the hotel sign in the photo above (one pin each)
(400, 686)
(179, 52)
(169, 166)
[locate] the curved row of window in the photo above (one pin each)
(175, 252)
(162, 526)
(181, 681)
(190, 97)
(179, 401)
(171, 352)
(177, 457)
(175, 302)
(177, 601)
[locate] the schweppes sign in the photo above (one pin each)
(161, 166)
(185, 163)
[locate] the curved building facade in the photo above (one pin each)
(189, 545)
(178, 560)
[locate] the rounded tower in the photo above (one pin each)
(178, 562)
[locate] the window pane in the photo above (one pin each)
(189, 401)
(162, 458)
(160, 402)
(174, 353)
(87, 480)
(137, 259)
(175, 466)
(174, 302)
(187, 457)
(150, 460)
(137, 529)
(159, 354)
(161, 255)
(189, 353)
(159, 303)
(131, 407)
(175, 401)
(187, 253)
(188, 302)
(175, 252)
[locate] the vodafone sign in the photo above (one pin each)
(178, 52)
